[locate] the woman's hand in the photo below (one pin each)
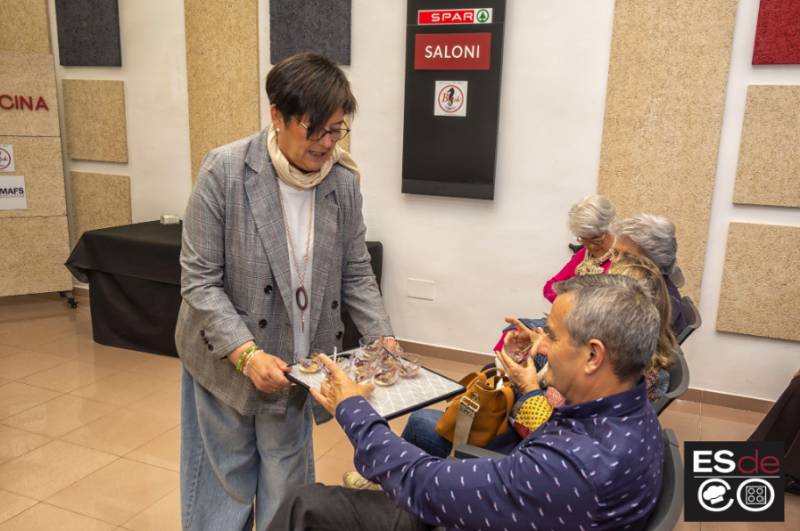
(522, 375)
(337, 387)
(268, 372)
(533, 336)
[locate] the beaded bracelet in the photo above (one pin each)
(244, 356)
(249, 362)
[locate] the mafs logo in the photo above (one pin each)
(733, 482)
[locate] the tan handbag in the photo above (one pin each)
(479, 414)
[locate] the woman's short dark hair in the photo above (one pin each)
(309, 84)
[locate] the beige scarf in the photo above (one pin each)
(299, 179)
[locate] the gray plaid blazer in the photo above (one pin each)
(236, 281)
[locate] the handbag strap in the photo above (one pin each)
(467, 409)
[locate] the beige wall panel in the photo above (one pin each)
(34, 252)
(769, 159)
(38, 159)
(94, 115)
(222, 71)
(24, 26)
(99, 201)
(28, 77)
(760, 294)
(665, 97)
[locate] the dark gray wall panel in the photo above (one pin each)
(321, 26)
(88, 32)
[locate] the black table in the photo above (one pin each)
(134, 281)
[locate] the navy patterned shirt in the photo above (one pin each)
(594, 465)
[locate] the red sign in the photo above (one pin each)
(454, 16)
(452, 51)
(10, 102)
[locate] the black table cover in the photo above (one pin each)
(134, 277)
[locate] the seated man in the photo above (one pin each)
(596, 464)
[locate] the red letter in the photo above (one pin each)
(754, 459)
(22, 103)
(41, 104)
(769, 465)
(8, 106)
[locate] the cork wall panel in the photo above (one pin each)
(94, 115)
(760, 294)
(665, 97)
(99, 201)
(769, 159)
(38, 159)
(321, 26)
(88, 32)
(222, 71)
(24, 26)
(34, 252)
(28, 102)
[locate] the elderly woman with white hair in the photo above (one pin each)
(652, 237)
(589, 221)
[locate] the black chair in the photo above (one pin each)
(677, 277)
(693, 319)
(678, 383)
(575, 247)
(670, 500)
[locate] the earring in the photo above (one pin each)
(277, 130)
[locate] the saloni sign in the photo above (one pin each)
(452, 51)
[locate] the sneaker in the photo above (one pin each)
(354, 480)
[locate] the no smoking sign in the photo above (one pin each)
(450, 98)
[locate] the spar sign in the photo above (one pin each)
(481, 15)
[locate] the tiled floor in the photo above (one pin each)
(89, 435)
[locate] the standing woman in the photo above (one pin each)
(273, 246)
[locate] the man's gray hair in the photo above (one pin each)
(615, 310)
(591, 216)
(655, 235)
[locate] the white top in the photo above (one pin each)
(296, 204)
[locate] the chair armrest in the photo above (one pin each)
(467, 451)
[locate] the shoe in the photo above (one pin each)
(354, 480)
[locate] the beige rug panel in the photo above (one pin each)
(760, 293)
(769, 154)
(664, 104)
(28, 101)
(94, 116)
(34, 252)
(222, 70)
(38, 159)
(99, 201)
(24, 26)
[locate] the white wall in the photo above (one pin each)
(726, 362)
(490, 259)
(156, 102)
(487, 258)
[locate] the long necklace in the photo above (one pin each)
(300, 294)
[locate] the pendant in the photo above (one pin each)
(301, 298)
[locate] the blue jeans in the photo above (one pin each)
(421, 432)
(230, 461)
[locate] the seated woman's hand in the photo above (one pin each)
(523, 375)
(268, 372)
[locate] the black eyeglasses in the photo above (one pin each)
(336, 134)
